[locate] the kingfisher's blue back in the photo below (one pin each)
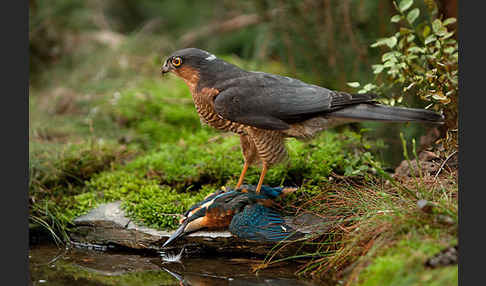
(261, 223)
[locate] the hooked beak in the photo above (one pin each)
(165, 68)
(179, 232)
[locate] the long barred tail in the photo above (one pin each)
(379, 112)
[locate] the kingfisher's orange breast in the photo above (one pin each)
(218, 218)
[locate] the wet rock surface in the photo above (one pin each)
(108, 225)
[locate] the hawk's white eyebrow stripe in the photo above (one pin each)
(210, 58)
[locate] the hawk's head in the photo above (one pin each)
(193, 64)
(190, 58)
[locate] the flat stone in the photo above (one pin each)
(108, 225)
(110, 213)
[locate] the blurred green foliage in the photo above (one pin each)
(324, 39)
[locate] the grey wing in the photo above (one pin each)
(273, 102)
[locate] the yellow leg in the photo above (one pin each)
(262, 175)
(242, 176)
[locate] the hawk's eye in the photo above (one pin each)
(176, 61)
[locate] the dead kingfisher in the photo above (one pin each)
(246, 213)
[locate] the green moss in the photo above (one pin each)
(192, 161)
(312, 162)
(80, 204)
(403, 264)
(143, 199)
(206, 158)
(158, 207)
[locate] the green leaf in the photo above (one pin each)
(426, 31)
(447, 35)
(404, 5)
(411, 57)
(391, 42)
(449, 50)
(369, 87)
(449, 21)
(353, 84)
(377, 68)
(413, 15)
(416, 50)
(379, 42)
(442, 31)
(404, 31)
(436, 25)
(389, 64)
(430, 39)
(390, 56)
(396, 18)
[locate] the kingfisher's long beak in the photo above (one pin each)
(191, 224)
(166, 67)
(179, 232)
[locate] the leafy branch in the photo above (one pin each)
(421, 59)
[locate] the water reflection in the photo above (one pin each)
(218, 271)
(52, 266)
(197, 279)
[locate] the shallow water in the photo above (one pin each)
(50, 265)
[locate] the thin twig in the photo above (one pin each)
(443, 164)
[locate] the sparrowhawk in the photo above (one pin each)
(264, 109)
